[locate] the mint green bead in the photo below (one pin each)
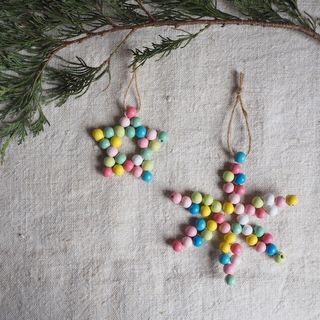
(146, 154)
(108, 132)
(130, 132)
(196, 197)
(258, 231)
(104, 144)
(155, 145)
(163, 136)
(216, 206)
(228, 176)
(230, 280)
(147, 165)
(136, 122)
(120, 158)
(119, 131)
(236, 228)
(109, 162)
(207, 199)
(207, 235)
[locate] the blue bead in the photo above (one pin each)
(224, 259)
(240, 179)
(198, 241)
(141, 132)
(271, 249)
(200, 224)
(147, 176)
(240, 157)
(194, 208)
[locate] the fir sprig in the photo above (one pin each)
(33, 32)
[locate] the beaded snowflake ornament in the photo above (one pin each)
(148, 141)
(231, 218)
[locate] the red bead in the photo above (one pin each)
(261, 213)
(235, 168)
(107, 172)
(128, 165)
(240, 189)
(177, 245)
(218, 218)
(131, 112)
(236, 248)
(267, 238)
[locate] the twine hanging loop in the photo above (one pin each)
(134, 78)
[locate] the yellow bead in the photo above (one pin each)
(292, 200)
(118, 169)
(228, 208)
(116, 142)
(230, 238)
(205, 211)
(224, 247)
(212, 225)
(252, 240)
(97, 134)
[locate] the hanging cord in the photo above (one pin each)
(134, 78)
(239, 102)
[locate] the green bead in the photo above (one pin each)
(146, 154)
(228, 176)
(236, 228)
(108, 132)
(216, 206)
(257, 202)
(207, 199)
(163, 136)
(279, 257)
(155, 145)
(207, 235)
(109, 162)
(147, 165)
(136, 122)
(120, 158)
(258, 231)
(104, 144)
(130, 132)
(230, 280)
(119, 131)
(196, 197)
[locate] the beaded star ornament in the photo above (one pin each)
(230, 218)
(147, 140)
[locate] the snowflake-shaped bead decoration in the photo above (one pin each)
(148, 141)
(211, 216)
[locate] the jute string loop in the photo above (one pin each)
(239, 102)
(134, 78)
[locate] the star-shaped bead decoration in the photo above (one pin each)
(231, 218)
(148, 141)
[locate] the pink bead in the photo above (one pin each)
(228, 269)
(143, 143)
(152, 134)
(224, 227)
(187, 242)
(235, 260)
(176, 197)
(267, 238)
(261, 247)
(236, 248)
(228, 187)
(250, 210)
(131, 112)
(107, 172)
(218, 218)
(235, 168)
(112, 151)
(177, 245)
(234, 198)
(191, 231)
(280, 201)
(125, 122)
(240, 190)
(137, 171)
(239, 208)
(186, 202)
(128, 165)
(261, 213)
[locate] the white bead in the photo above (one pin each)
(243, 219)
(125, 122)
(268, 199)
(273, 211)
(239, 208)
(235, 259)
(137, 160)
(152, 134)
(234, 198)
(247, 230)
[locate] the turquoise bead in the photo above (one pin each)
(104, 144)
(141, 132)
(236, 228)
(200, 224)
(108, 132)
(198, 241)
(147, 176)
(146, 154)
(136, 122)
(194, 208)
(240, 179)
(163, 136)
(120, 158)
(240, 157)
(130, 132)
(272, 249)
(224, 259)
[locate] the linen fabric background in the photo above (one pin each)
(75, 245)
